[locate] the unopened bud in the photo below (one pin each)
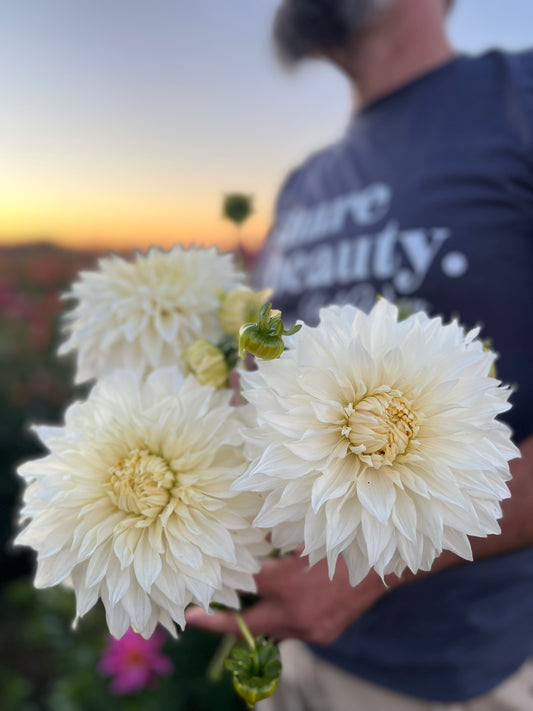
(264, 338)
(207, 363)
(240, 306)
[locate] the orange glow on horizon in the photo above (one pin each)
(118, 229)
(122, 220)
(225, 240)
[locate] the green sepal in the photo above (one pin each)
(264, 339)
(255, 671)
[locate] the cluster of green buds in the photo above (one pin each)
(262, 335)
(264, 338)
(255, 666)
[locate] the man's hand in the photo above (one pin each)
(299, 602)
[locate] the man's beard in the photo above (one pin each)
(313, 28)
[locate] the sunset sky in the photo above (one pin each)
(124, 122)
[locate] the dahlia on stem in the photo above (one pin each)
(377, 441)
(142, 314)
(134, 505)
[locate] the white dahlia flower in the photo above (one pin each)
(134, 504)
(379, 441)
(142, 314)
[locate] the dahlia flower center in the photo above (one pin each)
(140, 483)
(380, 426)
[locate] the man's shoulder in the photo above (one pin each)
(516, 64)
(302, 177)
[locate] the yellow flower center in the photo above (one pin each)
(380, 427)
(140, 483)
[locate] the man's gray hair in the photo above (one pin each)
(313, 28)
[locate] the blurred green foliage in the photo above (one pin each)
(35, 385)
(47, 666)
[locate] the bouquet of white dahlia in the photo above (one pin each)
(367, 436)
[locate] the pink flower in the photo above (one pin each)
(134, 663)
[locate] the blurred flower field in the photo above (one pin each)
(44, 664)
(35, 385)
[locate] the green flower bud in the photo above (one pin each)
(264, 339)
(240, 306)
(260, 344)
(207, 363)
(255, 670)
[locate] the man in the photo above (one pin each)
(427, 199)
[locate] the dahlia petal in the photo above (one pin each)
(134, 324)
(170, 611)
(410, 553)
(316, 556)
(203, 594)
(457, 542)
(119, 581)
(217, 541)
(97, 566)
(238, 580)
(166, 621)
(227, 597)
(269, 517)
(375, 536)
(315, 524)
(53, 541)
(146, 563)
(117, 619)
(181, 548)
(376, 493)
(356, 562)
(54, 570)
(288, 535)
(137, 604)
(296, 492)
(332, 483)
(404, 517)
(321, 385)
(462, 520)
(314, 443)
(86, 597)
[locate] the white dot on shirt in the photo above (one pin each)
(454, 264)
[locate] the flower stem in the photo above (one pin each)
(216, 665)
(245, 631)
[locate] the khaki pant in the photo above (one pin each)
(311, 684)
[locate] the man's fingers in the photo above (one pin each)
(264, 618)
(220, 622)
(274, 573)
(267, 618)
